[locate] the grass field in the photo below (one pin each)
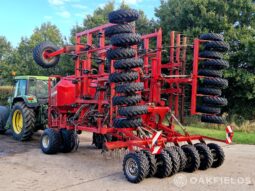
(239, 137)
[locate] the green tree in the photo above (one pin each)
(236, 20)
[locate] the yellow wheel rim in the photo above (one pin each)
(17, 121)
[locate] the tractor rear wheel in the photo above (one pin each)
(50, 141)
(67, 140)
(4, 114)
(193, 159)
(164, 165)
(23, 122)
(40, 57)
(217, 153)
(206, 158)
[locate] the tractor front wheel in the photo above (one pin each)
(23, 122)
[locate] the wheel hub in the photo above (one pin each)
(131, 168)
(17, 122)
(45, 141)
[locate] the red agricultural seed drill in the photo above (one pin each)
(123, 93)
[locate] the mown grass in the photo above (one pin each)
(239, 137)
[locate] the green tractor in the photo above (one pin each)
(27, 107)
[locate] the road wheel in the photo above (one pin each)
(183, 158)
(123, 16)
(4, 114)
(217, 153)
(127, 64)
(212, 119)
(175, 159)
(215, 82)
(125, 39)
(215, 101)
(126, 100)
(164, 165)
(210, 55)
(127, 123)
(193, 159)
(217, 46)
(129, 88)
(23, 122)
(206, 158)
(120, 53)
(152, 163)
(50, 141)
(209, 110)
(39, 55)
(68, 140)
(135, 167)
(123, 76)
(215, 64)
(98, 140)
(212, 36)
(118, 29)
(210, 73)
(132, 111)
(209, 91)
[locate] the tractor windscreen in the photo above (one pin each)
(38, 88)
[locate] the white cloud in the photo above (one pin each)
(79, 6)
(64, 14)
(47, 17)
(57, 2)
(101, 5)
(132, 2)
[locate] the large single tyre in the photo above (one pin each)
(40, 59)
(183, 158)
(123, 76)
(215, 64)
(129, 88)
(217, 153)
(210, 73)
(126, 100)
(210, 55)
(127, 64)
(193, 159)
(135, 167)
(209, 91)
(50, 141)
(212, 119)
(67, 140)
(118, 29)
(4, 114)
(120, 53)
(132, 111)
(175, 158)
(212, 36)
(123, 16)
(125, 39)
(127, 123)
(98, 140)
(152, 163)
(215, 101)
(208, 110)
(215, 82)
(164, 165)
(219, 46)
(22, 122)
(206, 157)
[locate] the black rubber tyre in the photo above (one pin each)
(4, 114)
(126, 100)
(219, 46)
(50, 141)
(68, 140)
(215, 64)
(127, 123)
(193, 159)
(175, 159)
(125, 39)
(126, 64)
(210, 55)
(129, 88)
(123, 76)
(38, 54)
(123, 16)
(212, 36)
(120, 53)
(208, 110)
(210, 73)
(152, 163)
(98, 140)
(215, 101)
(132, 111)
(206, 158)
(117, 29)
(215, 82)
(183, 158)
(24, 131)
(212, 119)
(217, 153)
(135, 167)
(164, 165)
(209, 91)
